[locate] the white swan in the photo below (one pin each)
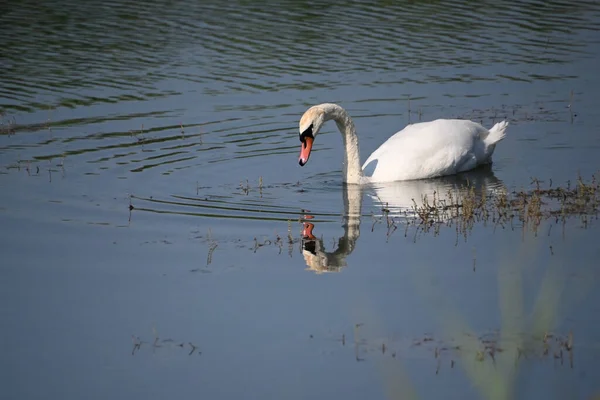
(419, 151)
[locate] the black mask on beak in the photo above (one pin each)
(307, 133)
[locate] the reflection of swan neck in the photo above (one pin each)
(314, 253)
(352, 171)
(352, 209)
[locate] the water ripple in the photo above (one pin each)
(59, 48)
(168, 86)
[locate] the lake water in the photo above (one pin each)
(152, 209)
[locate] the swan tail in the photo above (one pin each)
(497, 133)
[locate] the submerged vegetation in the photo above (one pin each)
(526, 209)
(543, 206)
(460, 209)
(533, 326)
(468, 347)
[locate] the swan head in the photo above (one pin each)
(310, 124)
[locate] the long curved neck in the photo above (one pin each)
(351, 166)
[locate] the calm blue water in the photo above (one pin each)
(188, 113)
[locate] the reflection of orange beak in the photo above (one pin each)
(305, 151)
(307, 231)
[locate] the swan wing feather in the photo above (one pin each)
(429, 149)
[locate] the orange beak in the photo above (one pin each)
(307, 232)
(305, 151)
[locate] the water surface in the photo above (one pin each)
(150, 197)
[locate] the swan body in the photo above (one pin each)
(419, 151)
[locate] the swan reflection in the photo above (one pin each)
(399, 199)
(316, 257)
